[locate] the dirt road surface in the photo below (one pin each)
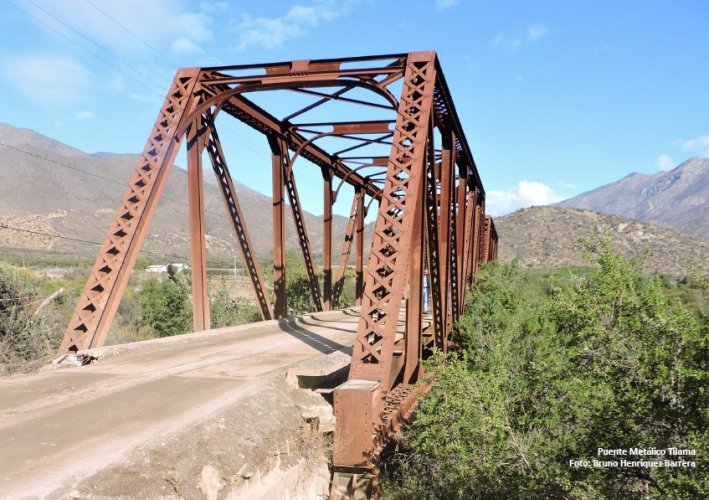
(59, 427)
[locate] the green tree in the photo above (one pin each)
(297, 285)
(552, 369)
(141, 263)
(165, 305)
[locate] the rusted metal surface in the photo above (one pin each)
(198, 235)
(353, 442)
(327, 239)
(278, 155)
(303, 240)
(109, 275)
(346, 247)
(388, 260)
(231, 201)
(410, 155)
(359, 247)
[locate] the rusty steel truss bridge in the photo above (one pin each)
(401, 144)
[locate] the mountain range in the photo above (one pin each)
(62, 200)
(678, 198)
(49, 189)
(548, 237)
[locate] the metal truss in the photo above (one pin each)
(406, 150)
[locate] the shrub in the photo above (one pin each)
(165, 305)
(228, 311)
(25, 341)
(549, 373)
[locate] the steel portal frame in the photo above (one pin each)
(409, 154)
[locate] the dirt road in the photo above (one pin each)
(61, 426)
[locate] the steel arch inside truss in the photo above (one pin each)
(416, 163)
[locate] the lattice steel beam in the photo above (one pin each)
(109, 275)
(238, 223)
(389, 257)
(303, 240)
(346, 248)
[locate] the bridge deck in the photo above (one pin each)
(59, 426)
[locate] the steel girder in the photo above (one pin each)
(226, 186)
(410, 155)
(430, 213)
(109, 275)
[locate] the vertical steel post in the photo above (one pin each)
(198, 240)
(460, 235)
(388, 268)
(444, 227)
(434, 247)
(389, 259)
(477, 234)
(414, 303)
(327, 239)
(469, 239)
(280, 304)
(359, 247)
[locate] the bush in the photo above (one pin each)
(228, 311)
(165, 305)
(551, 370)
(25, 341)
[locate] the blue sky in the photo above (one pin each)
(556, 97)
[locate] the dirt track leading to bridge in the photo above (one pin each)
(61, 426)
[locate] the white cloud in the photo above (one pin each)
(192, 26)
(532, 34)
(123, 28)
(505, 40)
(185, 47)
(84, 115)
(444, 4)
(48, 79)
(700, 144)
(665, 162)
(524, 194)
(536, 31)
(272, 32)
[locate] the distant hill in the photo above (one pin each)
(547, 237)
(49, 187)
(678, 198)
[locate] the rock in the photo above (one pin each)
(211, 482)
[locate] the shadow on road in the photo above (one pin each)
(322, 344)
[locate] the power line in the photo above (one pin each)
(155, 85)
(108, 179)
(100, 47)
(69, 238)
(109, 16)
(103, 60)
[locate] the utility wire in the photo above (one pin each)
(155, 85)
(71, 40)
(108, 179)
(69, 238)
(109, 16)
(100, 47)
